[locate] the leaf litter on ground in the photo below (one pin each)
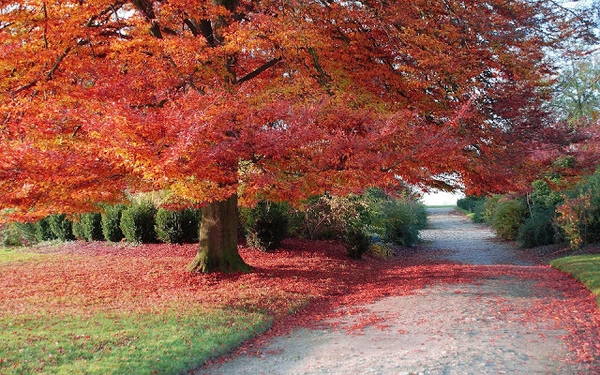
(303, 285)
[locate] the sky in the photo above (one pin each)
(441, 198)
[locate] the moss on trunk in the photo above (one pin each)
(218, 239)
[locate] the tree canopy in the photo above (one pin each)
(272, 99)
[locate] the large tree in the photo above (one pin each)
(277, 99)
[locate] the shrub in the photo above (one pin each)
(178, 226)
(380, 250)
(138, 221)
(77, 228)
(508, 216)
(191, 218)
(10, 235)
(18, 234)
(538, 229)
(266, 224)
(469, 203)
(357, 241)
(479, 212)
(43, 231)
(490, 207)
(328, 217)
(110, 221)
(401, 222)
(543, 196)
(91, 226)
(357, 219)
(61, 227)
(420, 213)
(27, 232)
(578, 217)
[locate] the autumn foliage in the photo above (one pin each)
(274, 100)
(270, 98)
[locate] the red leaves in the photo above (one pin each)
(331, 96)
(318, 275)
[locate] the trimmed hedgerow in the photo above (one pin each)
(266, 224)
(77, 228)
(178, 226)
(91, 226)
(43, 231)
(110, 221)
(61, 227)
(137, 223)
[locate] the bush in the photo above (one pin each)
(358, 219)
(10, 235)
(357, 241)
(110, 221)
(266, 224)
(43, 231)
(479, 212)
(137, 223)
(18, 234)
(328, 217)
(401, 222)
(538, 229)
(380, 250)
(490, 207)
(469, 203)
(508, 216)
(91, 226)
(77, 228)
(180, 226)
(420, 213)
(579, 215)
(61, 227)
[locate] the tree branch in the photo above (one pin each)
(259, 70)
(187, 80)
(50, 74)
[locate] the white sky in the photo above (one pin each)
(441, 198)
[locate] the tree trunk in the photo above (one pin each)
(218, 239)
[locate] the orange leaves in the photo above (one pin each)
(309, 96)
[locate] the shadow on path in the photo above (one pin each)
(487, 313)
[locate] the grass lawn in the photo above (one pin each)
(98, 308)
(584, 268)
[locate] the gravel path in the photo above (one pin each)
(495, 325)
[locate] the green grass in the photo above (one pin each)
(470, 215)
(17, 255)
(583, 268)
(142, 343)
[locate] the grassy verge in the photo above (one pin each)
(584, 268)
(470, 215)
(13, 255)
(142, 343)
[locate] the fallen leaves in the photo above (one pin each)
(315, 277)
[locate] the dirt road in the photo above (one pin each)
(513, 318)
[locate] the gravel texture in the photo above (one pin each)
(490, 326)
